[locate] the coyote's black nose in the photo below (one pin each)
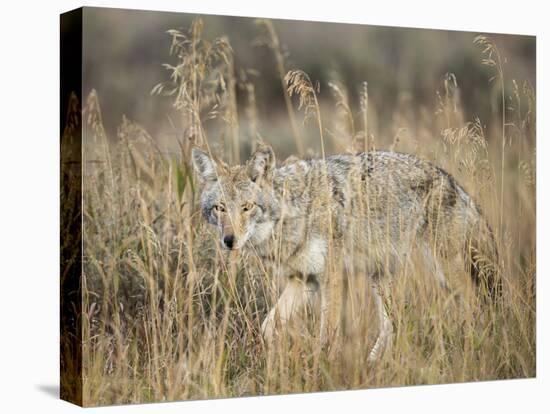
(229, 241)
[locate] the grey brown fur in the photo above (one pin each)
(376, 207)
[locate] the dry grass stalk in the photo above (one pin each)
(494, 60)
(274, 44)
(298, 83)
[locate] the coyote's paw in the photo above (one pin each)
(383, 342)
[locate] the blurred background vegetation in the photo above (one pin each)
(124, 51)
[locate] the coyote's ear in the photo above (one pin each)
(204, 165)
(262, 163)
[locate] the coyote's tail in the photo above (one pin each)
(483, 257)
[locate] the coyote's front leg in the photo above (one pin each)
(293, 300)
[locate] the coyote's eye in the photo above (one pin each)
(248, 206)
(219, 208)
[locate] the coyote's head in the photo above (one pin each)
(239, 200)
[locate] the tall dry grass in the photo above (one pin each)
(169, 316)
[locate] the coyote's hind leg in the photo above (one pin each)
(385, 326)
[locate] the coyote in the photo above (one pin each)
(373, 207)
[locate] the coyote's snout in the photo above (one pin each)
(373, 208)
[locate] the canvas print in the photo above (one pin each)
(260, 206)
